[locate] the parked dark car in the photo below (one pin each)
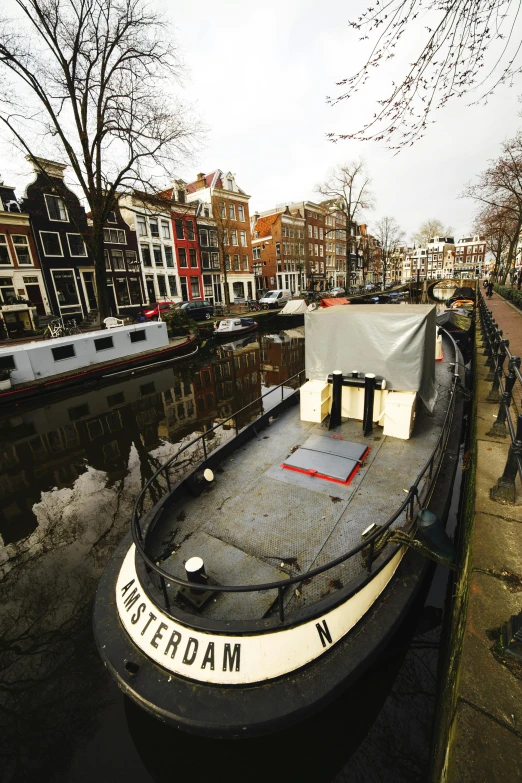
(199, 310)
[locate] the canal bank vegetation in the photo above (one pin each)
(513, 295)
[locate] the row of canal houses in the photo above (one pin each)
(186, 243)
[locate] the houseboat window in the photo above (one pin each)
(76, 245)
(4, 252)
(63, 352)
(115, 399)
(147, 388)
(103, 343)
(51, 243)
(21, 246)
(7, 363)
(145, 254)
(56, 208)
(78, 412)
(138, 336)
(168, 256)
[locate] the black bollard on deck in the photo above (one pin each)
(195, 571)
(369, 393)
(337, 391)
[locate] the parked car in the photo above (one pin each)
(369, 287)
(198, 310)
(337, 291)
(396, 294)
(276, 298)
(152, 312)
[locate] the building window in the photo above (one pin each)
(193, 258)
(182, 257)
(173, 285)
(190, 230)
(165, 229)
(233, 236)
(7, 291)
(230, 184)
(158, 258)
(107, 259)
(203, 238)
(154, 229)
(245, 263)
(51, 243)
(227, 262)
(21, 246)
(76, 245)
(145, 254)
(320, 233)
(179, 228)
(316, 250)
(117, 259)
(215, 261)
(116, 236)
(242, 238)
(278, 248)
(194, 287)
(56, 208)
(236, 263)
(103, 343)
(184, 288)
(135, 290)
(256, 253)
(223, 209)
(213, 237)
(232, 211)
(138, 336)
(111, 218)
(162, 285)
(5, 258)
(205, 259)
(168, 256)
(63, 352)
(240, 212)
(142, 226)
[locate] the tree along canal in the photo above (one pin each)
(70, 470)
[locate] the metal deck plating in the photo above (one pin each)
(263, 525)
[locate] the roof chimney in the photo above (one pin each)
(200, 181)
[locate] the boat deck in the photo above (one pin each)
(259, 522)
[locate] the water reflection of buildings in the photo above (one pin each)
(52, 445)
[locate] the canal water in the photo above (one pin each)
(70, 468)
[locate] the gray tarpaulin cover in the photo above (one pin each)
(395, 341)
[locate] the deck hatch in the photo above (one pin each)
(332, 459)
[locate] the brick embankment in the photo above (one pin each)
(481, 734)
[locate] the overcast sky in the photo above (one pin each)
(260, 72)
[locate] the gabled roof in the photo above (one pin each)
(213, 180)
(264, 225)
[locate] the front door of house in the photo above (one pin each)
(150, 290)
(90, 290)
(34, 294)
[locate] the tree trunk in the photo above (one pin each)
(100, 275)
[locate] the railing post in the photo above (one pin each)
(204, 445)
(493, 395)
(164, 591)
(492, 361)
(281, 605)
(504, 489)
(498, 429)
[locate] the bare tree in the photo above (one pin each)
(390, 236)
(456, 57)
(96, 78)
(497, 227)
(499, 188)
(349, 188)
(429, 229)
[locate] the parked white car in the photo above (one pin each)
(276, 298)
(336, 291)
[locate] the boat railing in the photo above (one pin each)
(496, 348)
(412, 499)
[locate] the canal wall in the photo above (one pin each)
(478, 733)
